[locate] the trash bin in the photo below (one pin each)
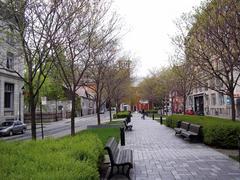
(122, 136)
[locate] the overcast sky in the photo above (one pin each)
(150, 24)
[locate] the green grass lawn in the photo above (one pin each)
(69, 157)
(104, 133)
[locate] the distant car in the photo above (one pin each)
(12, 127)
(102, 111)
(189, 112)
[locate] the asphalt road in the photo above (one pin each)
(59, 128)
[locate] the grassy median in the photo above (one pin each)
(75, 157)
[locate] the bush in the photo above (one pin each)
(217, 132)
(122, 114)
(67, 158)
(151, 111)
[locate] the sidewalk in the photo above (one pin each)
(159, 154)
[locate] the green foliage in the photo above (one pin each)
(122, 114)
(216, 131)
(67, 158)
(104, 133)
(151, 111)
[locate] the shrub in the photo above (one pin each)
(67, 158)
(122, 114)
(215, 131)
(151, 111)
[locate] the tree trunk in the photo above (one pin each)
(184, 105)
(233, 105)
(110, 111)
(98, 109)
(33, 118)
(73, 114)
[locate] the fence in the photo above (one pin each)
(46, 117)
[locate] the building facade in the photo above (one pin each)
(11, 85)
(205, 101)
(87, 99)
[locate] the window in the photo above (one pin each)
(206, 99)
(206, 87)
(8, 96)
(213, 99)
(221, 98)
(10, 60)
(10, 36)
(190, 101)
(212, 83)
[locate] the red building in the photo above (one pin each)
(176, 102)
(143, 104)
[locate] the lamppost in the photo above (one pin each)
(42, 102)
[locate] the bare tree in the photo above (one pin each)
(212, 46)
(73, 56)
(184, 76)
(104, 56)
(117, 81)
(34, 26)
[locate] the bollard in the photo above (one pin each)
(239, 149)
(160, 119)
(122, 136)
(153, 116)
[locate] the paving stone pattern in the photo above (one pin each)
(159, 154)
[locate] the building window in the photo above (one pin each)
(8, 96)
(212, 83)
(10, 60)
(213, 99)
(221, 98)
(206, 87)
(10, 36)
(206, 100)
(190, 101)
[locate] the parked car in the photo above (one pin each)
(189, 112)
(12, 127)
(102, 111)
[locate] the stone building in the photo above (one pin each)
(205, 101)
(11, 85)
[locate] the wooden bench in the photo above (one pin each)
(183, 127)
(127, 127)
(128, 119)
(193, 133)
(119, 158)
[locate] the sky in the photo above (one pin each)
(149, 26)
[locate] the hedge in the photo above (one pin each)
(67, 158)
(122, 114)
(151, 111)
(216, 132)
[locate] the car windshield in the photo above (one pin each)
(7, 123)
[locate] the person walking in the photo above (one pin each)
(143, 114)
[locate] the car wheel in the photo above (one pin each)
(10, 133)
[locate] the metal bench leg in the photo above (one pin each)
(111, 173)
(128, 171)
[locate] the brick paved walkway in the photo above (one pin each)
(159, 154)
